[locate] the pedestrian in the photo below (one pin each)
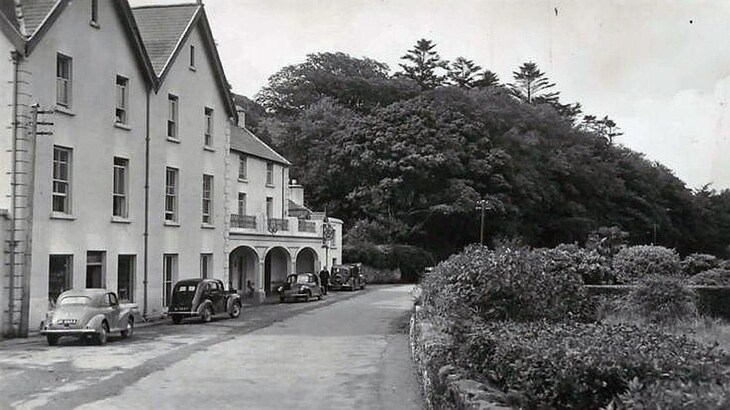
(324, 277)
(249, 288)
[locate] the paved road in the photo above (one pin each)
(349, 351)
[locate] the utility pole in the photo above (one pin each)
(483, 205)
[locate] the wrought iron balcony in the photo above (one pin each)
(307, 226)
(243, 221)
(276, 224)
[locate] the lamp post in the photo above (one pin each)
(328, 233)
(483, 205)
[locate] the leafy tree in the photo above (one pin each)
(531, 85)
(422, 65)
(463, 73)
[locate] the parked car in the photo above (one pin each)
(94, 313)
(347, 277)
(203, 298)
(300, 286)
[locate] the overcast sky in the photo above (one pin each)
(659, 68)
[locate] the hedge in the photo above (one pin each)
(712, 301)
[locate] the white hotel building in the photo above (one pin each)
(123, 165)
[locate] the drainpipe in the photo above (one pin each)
(146, 200)
(15, 56)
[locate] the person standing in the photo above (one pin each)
(324, 277)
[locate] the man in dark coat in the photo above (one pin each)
(324, 277)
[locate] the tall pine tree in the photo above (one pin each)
(463, 73)
(422, 65)
(532, 85)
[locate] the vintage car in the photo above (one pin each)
(92, 313)
(203, 298)
(300, 286)
(347, 277)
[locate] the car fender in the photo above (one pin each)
(231, 300)
(204, 304)
(95, 322)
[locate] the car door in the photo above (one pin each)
(107, 310)
(217, 296)
(115, 310)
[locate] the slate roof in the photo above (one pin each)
(161, 28)
(34, 12)
(243, 140)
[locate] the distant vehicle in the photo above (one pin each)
(93, 313)
(300, 286)
(203, 298)
(347, 277)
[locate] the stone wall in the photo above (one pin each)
(444, 385)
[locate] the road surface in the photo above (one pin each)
(347, 352)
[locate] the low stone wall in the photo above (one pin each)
(381, 276)
(446, 386)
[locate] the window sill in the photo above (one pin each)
(244, 180)
(175, 140)
(208, 148)
(172, 223)
(120, 220)
(192, 68)
(270, 186)
(207, 226)
(62, 216)
(123, 126)
(64, 110)
(94, 24)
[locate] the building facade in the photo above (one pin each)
(122, 163)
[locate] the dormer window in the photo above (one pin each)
(192, 57)
(94, 13)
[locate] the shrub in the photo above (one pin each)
(583, 366)
(505, 284)
(662, 299)
(636, 262)
(712, 277)
(589, 264)
(410, 260)
(698, 262)
(674, 395)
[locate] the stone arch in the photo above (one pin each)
(277, 265)
(244, 264)
(307, 260)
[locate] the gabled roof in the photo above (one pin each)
(164, 29)
(37, 16)
(243, 140)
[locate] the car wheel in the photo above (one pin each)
(207, 314)
(236, 310)
(103, 334)
(309, 296)
(52, 340)
(129, 330)
(177, 319)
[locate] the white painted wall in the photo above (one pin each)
(6, 118)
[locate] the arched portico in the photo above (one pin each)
(307, 261)
(244, 267)
(277, 266)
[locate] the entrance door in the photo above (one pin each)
(125, 278)
(95, 270)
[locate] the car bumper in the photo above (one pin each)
(68, 332)
(183, 314)
(294, 296)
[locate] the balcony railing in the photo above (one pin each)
(243, 221)
(307, 226)
(276, 224)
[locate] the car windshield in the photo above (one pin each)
(301, 279)
(75, 300)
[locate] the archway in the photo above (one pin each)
(243, 265)
(307, 261)
(276, 268)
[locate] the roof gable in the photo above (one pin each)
(243, 140)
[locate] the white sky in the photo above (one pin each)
(659, 68)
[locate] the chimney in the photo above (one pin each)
(296, 192)
(241, 117)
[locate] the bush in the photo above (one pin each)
(410, 260)
(662, 299)
(583, 366)
(589, 264)
(698, 262)
(505, 284)
(674, 395)
(636, 262)
(712, 277)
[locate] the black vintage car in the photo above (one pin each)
(203, 298)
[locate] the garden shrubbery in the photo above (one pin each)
(698, 262)
(583, 366)
(635, 262)
(662, 299)
(712, 277)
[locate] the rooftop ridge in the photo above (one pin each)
(162, 6)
